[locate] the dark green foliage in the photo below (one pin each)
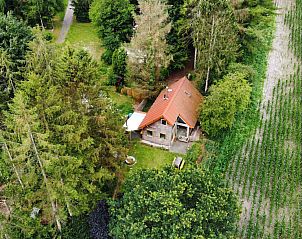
(76, 228)
(254, 19)
(14, 39)
(99, 221)
(81, 10)
(35, 12)
(118, 72)
(174, 204)
(231, 141)
(77, 133)
(179, 48)
(33, 228)
(93, 225)
(114, 22)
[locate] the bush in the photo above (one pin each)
(227, 98)
(191, 203)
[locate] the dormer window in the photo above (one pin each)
(164, 122)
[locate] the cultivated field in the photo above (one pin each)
(266, 174)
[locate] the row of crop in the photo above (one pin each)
(267, 170)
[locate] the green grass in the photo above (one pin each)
(123, 102)
(149, 157)
(84, 35)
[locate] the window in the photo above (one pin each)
(149, 133)
(162, 136)
(163, 122)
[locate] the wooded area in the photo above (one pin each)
(62, 160)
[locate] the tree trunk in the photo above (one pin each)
(53, 206)
(66, 201)
(210, 55)
(14, 167)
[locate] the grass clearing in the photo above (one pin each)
(124, 103)
(150, 157)
(84, 35)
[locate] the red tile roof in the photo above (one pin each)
(182, 99)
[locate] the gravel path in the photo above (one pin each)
(66, 23)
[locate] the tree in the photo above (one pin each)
(81, 10)
(118, 72)
(29, 153)
(178, 45)
(214, 33)
(191, 203)
(227, 98)
(148, 49)
(68, 125)
(14, 39)
(114, 22)
(35, 12)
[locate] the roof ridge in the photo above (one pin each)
(176, 93)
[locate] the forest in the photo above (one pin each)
(74, 71)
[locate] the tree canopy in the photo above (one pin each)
(65, 148)
(148, 50)
(81, 10)
(114, 23)
(14, 39)
(228, 97)
(190, 203)
(214, 32)
(35, 12)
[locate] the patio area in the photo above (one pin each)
(180, 147)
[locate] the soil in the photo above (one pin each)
(281, 61)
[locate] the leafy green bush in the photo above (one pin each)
(227, 98)
(191, 203)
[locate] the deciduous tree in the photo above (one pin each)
(228, 97)
(173, 204)
(214, 33)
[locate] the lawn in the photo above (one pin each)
(123, 102)
(84, 35)
(150, 157)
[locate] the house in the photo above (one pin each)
(173, 116)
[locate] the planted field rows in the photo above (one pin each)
(266, 174)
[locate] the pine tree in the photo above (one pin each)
(74, 135)
(148, 49)
(29, 153)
